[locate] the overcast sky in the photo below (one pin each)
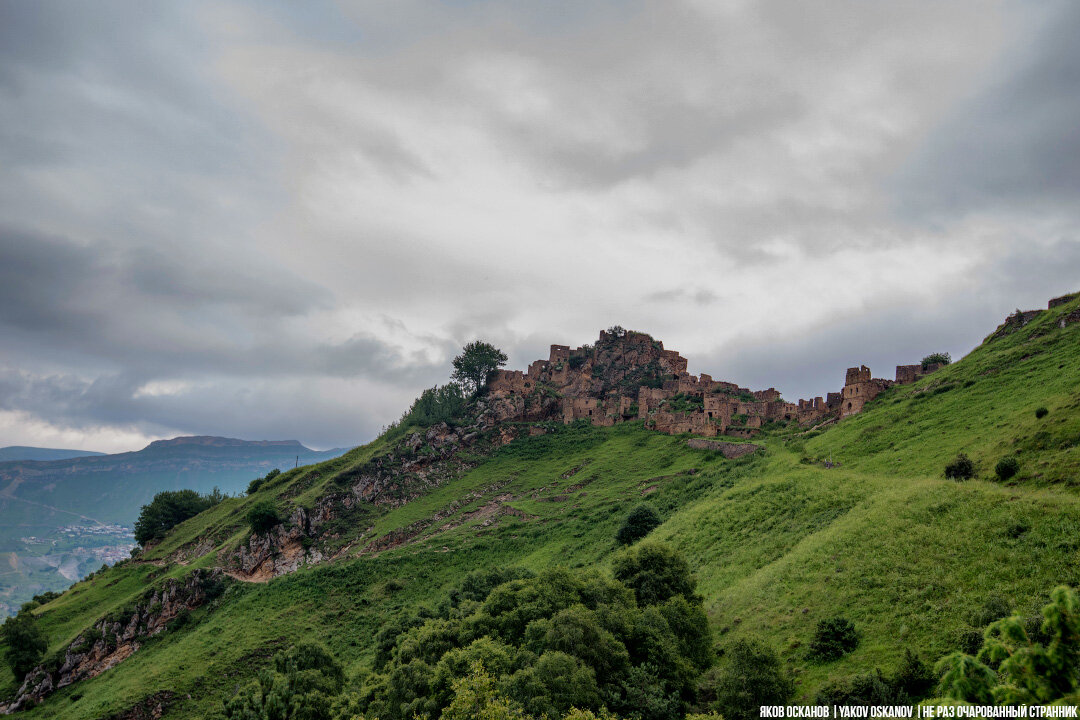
(282, 220)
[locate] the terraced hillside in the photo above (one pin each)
(778, 539)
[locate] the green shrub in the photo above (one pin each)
(259, 482)
(25, 643)
(913, 680)
(301, 686)
(549, 642)
(833, 638)
(750, 676)
(263, 516)
(641, 521)
(1007, 468)
(654, 571)
(1042, 412)
(960, 468)
(168, 509)
(870, 688)
(938, 358)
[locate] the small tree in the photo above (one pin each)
(961, 468)
(641, 521)
(655, 572)
(475, 363)
(168, 509)
(263, 516)
(752, 676)
(26, 643)
(834, 637)
(1007, 468)
(938, 358)
(1042, 412)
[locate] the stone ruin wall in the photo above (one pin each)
(570, 384)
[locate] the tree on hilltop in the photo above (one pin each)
(476, 362)
(168, 509)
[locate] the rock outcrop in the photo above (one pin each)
(116, 637)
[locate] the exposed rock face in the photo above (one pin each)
(281, 550)
(421, 461)
(113, 639)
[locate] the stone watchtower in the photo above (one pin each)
(859, 389)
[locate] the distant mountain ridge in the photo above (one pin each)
(14, 453)
(74, 498)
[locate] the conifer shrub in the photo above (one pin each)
(1042, 412)
(1015, 668)
(835, 637)
(1006, 468)
(641, 521)
(960, 468)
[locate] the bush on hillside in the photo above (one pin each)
(938, 358)
(168, 509)
(263, 516)
(1007, 468)
(257, 483)
(911, 682)
(960, 468)
(547, 644)
(654, 571)
(25, 643)
(750, 675)
(833, 638)
(1042, 412)
(870, 688)
(641, 521)
(301, 686)
(442, 403)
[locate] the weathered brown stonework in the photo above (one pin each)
(630, 376)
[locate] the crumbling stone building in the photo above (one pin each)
(629, 376)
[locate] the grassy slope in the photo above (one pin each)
(778, 542)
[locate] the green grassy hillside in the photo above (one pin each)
(777, 540)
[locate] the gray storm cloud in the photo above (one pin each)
(276, 220)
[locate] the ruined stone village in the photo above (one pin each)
(629, 376)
